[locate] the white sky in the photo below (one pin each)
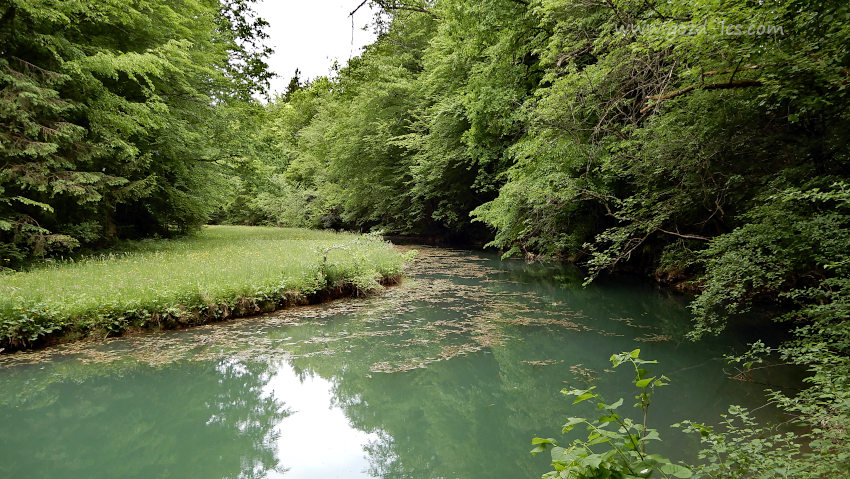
(311, 34)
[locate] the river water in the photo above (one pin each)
(449, 375)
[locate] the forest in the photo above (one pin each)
(703, 145)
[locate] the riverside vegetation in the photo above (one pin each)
(619, 134)
(222, 272)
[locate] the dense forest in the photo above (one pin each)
(112, 117)
(703, 143)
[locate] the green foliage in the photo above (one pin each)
(622, 440)
(795, 244)
(398, 140)
(104, 112)
(738, 447)
(640, 141)
(743, 449)
(794, 247)
(212, 275)
(619, 134)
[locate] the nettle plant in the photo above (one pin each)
(616, 446)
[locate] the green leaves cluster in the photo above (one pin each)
(616, 445)
(740, 448)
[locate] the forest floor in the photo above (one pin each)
(219, 273)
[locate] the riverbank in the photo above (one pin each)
(451, 356)
(220, 273)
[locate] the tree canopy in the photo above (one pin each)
(700, 142)
(703, 143)
(105, 115)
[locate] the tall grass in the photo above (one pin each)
(223, 271)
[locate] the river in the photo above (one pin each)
(449, 375)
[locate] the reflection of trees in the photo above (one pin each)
(474, 416)
(448, 420)
(601, 301)
(186, 420)
(383, 461)
(470, 416)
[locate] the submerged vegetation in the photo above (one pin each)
(222, 272)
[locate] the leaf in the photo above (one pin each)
(634, 354)
(571, 424)
(29, 202)
(542, 444)
(598, 440)
(616, 359)
(676, 470)
(644, 382)
(560, 454)
(540, 440)
(584, 397)
(538, 449)
(612, 406)
(591, 460)
(641, 361)
(604, 420)
(582, 394)
(575, 392)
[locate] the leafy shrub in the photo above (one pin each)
(616, 446)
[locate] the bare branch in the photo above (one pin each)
(685, 236)
(710, 86)
(387, 5)
(358, 8)
(721, 72)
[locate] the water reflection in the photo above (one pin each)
(449, 375)
(182, 420)
(316, 439)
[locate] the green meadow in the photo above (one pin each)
(221, 272)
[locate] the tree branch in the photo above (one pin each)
(720, 72)
(710, 86)
(396, 6)
(661, 15)
(358, 8)
(693, 237)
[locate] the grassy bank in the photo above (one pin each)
(222, 272)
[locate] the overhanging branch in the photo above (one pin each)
(389, 6)
(358, 8)
(709, 86)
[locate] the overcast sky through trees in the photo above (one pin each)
(311, 35)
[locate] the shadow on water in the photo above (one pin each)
(449, 375)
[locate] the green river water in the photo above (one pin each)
(449, 375)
